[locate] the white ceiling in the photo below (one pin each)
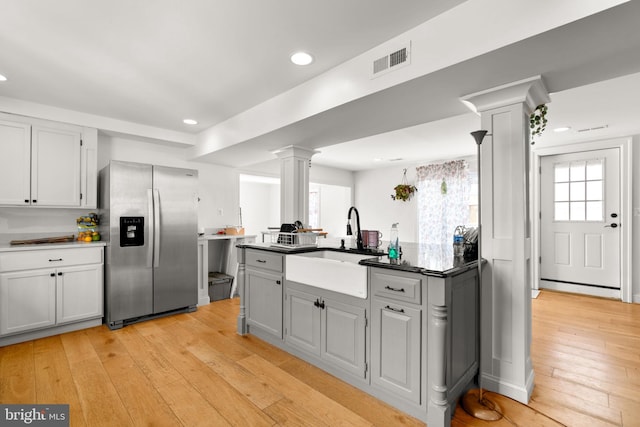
(155, 62)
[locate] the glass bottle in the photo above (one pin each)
(394, 246)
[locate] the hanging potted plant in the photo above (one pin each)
(538, 121)
(404, 191)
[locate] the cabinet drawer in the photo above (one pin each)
(45, 258)
(266, 260)
(397, 287)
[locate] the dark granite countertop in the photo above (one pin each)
(444, 269)
(434, 261)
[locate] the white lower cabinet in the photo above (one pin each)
(27, 301)
(79, 293)
(42, 289)
(329, 329)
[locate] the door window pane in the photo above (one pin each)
(561, 211)
(594, 169)
(562, 192)
(561, 172)
(577, 171)
(577, 191)
(576, 211)
(594, 211)
(594, 190)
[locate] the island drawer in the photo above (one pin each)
(265, 260)
(395, 286)
(49, 258)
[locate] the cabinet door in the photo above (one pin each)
(89, 168)
(264, 301)
(343, 329)
(302, 321)
(79, 293)
(55, 167)
(395, 348)
(27, 300)
(15, 163)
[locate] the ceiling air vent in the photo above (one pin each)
(392, 61)
(593, 128)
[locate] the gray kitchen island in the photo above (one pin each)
(407, 333)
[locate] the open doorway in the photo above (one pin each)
(583, 223)
(260, 205)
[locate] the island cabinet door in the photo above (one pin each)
(395, 348)
(264, 302)
(302, 321)
(342, 336)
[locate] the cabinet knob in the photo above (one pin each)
(60, 273)
(26, 200)
(53, 275)
(394, 289)
(55, 260)
(277, 282)
(34, 201)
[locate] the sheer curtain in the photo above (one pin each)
(443, 204)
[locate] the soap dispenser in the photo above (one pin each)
(394, 244)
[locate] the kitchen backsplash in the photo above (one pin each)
(18, 221)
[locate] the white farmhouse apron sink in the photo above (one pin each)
(331, 270)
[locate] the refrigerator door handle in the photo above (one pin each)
(151, 237)
(156, 228)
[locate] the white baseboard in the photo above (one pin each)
(521, 393)
(580, 289)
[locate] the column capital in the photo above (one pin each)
(295, 151)
(531, 92)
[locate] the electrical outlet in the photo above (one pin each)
(220, 212)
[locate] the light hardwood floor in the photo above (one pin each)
(193, 369)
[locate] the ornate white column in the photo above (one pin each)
(294, 183)
(506, 235)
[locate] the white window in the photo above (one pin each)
(578, 191)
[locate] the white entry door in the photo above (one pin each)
(580, 222)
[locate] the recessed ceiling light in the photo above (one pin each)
(190, 122)
(2, 78)
(301, 58)
(561, 129)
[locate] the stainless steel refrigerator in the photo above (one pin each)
(149, 220)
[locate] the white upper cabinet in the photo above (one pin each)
(47, 164)
(15, 163)
(55, 167)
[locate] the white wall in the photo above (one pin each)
(260, 203)
(373, 189)
(218, 185)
